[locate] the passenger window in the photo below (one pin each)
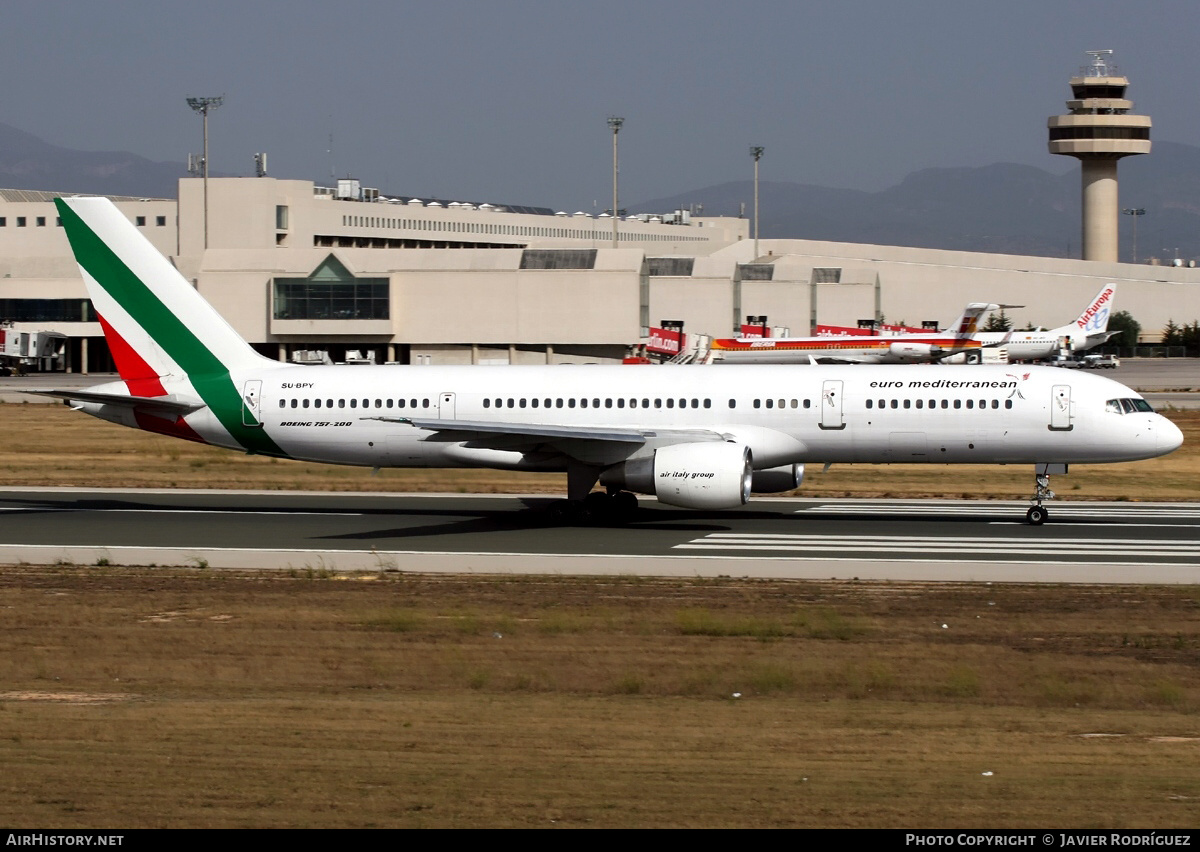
(870, 403)
(757, 403)
(733, 403)
(895, 404)
(958, 403)
(908, 403)
(970, 403)
(1008, 403)
(920, 403)
(305, 403)
(670, 403)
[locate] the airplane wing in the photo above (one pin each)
(483, 433)
(844, 359)
(163, 406)
(587, 443)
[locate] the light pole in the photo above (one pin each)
(1134, 212)
(756, 151)
(615, 122)
(204, 106)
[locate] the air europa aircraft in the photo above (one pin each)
(690, 435)
(1090, 329)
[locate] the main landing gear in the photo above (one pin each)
(598, 507)
(1038, 513)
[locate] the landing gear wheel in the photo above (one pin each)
(1037, 515)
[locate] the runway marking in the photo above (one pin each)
(181, 511)
(926, 545)
(1056, 510)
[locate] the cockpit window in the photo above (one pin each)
(1126, 406)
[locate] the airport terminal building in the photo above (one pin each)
(313, 273)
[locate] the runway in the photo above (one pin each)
(953, 540)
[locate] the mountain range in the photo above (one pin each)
(1004, 207)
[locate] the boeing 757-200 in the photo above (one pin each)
(690, 435)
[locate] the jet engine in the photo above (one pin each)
(775, 480)
(708, 475)
(914, 351)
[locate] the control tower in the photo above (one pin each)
(1099, 130)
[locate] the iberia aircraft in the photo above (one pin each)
(959, 339)
(690, 435)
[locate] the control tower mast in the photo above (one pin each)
(1099, 130)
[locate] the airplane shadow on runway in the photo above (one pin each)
(536, 516)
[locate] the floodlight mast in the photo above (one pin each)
(756, 151)
(615, 122)
(204, 106)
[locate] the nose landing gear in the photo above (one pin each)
(1038, 513)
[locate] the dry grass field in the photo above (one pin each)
(52, 445)
(137, 697)
(197, 698)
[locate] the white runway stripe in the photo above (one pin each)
(946, 547)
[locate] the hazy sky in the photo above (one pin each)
(507, 101)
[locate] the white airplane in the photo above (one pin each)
(1090, 329)
(692, 436)
(959, 339)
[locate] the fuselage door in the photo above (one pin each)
(446, 406)
(252, 403)
(831, 405)
(1060, 408)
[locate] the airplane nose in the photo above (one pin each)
(1170, 437)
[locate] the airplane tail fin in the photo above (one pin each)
(968, 323)
(1094, 320)
(156, 324)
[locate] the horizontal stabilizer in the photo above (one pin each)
(164, 406)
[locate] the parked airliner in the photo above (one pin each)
(1089, 330)
(959, 339)
(690, 435)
